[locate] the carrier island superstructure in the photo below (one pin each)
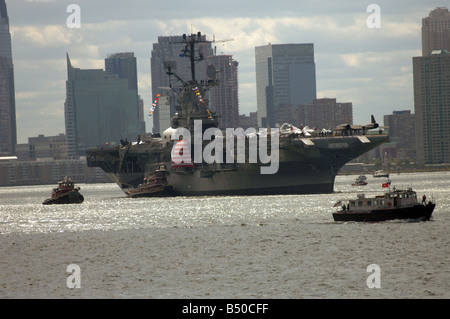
(308, 161)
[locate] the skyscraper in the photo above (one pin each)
(432, 107)
(170, 49)
(8, 130)
(436, 31)
(285, 76)
(100, 109)
(124, 65)
(224, 99)
(431, 76)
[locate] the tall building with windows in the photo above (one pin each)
(170, 49)
(125, 66)
(325, 113)
(431, 76)
(432, 107)
(436, 31)
(223, 98)
(101, 108)
(46, 147)
(285, 76)
(402, 133)
(8, 129)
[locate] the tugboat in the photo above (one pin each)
(65, 193)
(395, 204)
(154, 186)
(360, 181)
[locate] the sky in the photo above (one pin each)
(355, 61)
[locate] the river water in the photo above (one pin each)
(221, 247)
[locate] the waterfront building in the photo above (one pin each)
(50, 147)
(14, 172)
(43, 160)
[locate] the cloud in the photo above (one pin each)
(40, 1)
(23, 95)
(45, 36)
(401, 29)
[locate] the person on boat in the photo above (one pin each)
(424, 199)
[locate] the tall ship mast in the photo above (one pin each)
(306, 162)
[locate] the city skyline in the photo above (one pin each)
(370, 67)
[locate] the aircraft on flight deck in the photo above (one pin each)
(350, 127)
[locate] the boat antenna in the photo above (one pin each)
(170, 66)
(189, 49)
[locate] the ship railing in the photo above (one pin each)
(358, 133)
(319, 134)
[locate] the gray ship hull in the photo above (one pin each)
(306, 166)
(291, 178)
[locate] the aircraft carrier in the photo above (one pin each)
(307, 162)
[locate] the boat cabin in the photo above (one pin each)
(66, 184)
(391, 199)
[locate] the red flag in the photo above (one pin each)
(385, 185)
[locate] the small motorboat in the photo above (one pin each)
(360, 181)
(395, 204)
(381, 173)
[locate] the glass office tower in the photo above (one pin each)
(100, 109)
(285, 77)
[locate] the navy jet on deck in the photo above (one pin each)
(349, 127)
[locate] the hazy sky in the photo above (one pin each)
(370, 67)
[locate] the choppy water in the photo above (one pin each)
(220, 247)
